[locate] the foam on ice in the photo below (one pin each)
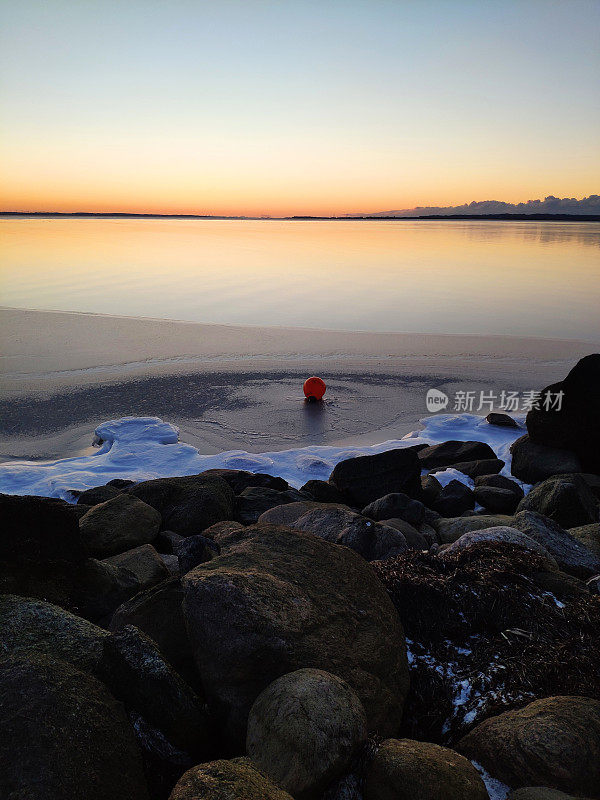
(141, 448)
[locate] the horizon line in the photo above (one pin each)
(507, 215)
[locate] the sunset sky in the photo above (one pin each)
(296, 107)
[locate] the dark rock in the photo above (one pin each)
(120, 483)
(499, 482)
(190, 504)
(588, 536)
(282, 600)
(449, 530)
(567, 499)
(290, 512)
(322, 491)
(240, 479)
(504, 420)
(39, 529)
(28, 625)
(64, 736)
(540, 793)
(576, 426)
(501, 533)
(339, 525)
(99, 588)
(195, 550)
(304, 729)
(454, 498)
(254, 500)
(403, 769)
(431, 489)
(396, 505)
(453, 452)
(99, 494)
(136, 673)
(415, 539)
(158, 613)
(117, 525)
(144, 562)
(484, 466)
(533, 462)
(237, 779)
(552, 742)
(366, 478)
(168, 542)
(223, 533)
(570, 555)
(496, 500)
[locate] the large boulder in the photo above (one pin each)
(39, 529)
(454, 499)
(290, 512)
(28, 625)
(158, 613)
(99, 494)
(499, 482)
(496, 500)
(403, 769)
(269, 605)
(532, 462)
(503, 420)
(237, 779)
(240, 479)
(254, 500)
(588, 536)
(567, 499)
(451, 529)
(144, 562)
(552, 742)
(194, 550)
(570, 554)
(117, 525)
(500, 533)
(137, 674)
(396, 505)
(100, 588)
(304, 729)
(483, 466)
(366, 478)
(190, 504)
(453, 452)
(63, 735)
(339, 525)
(322, 492)
(575, 426)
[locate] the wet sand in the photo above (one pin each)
(230, 387)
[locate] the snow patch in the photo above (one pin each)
(142, 448)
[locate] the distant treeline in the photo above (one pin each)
(509, 217)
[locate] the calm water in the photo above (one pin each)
(540, 279)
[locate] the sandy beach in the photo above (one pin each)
(230, 387)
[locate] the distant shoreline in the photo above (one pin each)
(302, 218)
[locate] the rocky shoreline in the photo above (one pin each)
(377, 635)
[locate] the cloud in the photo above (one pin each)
(549, 205)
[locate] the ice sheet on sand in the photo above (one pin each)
(141, 448)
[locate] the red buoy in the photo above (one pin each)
(314, 388)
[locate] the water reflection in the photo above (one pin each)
(530, 278)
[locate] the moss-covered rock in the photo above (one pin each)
(404, 769)
(304, 729)
(63, 736)
(238, 779)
